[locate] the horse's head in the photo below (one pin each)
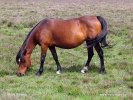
(23, 60)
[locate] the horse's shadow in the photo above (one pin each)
(76, 68)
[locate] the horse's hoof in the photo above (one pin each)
(82, 71)
(102, 72)
(38, 74)
(58, 72)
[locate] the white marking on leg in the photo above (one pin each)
(84, 70)
(58, 72)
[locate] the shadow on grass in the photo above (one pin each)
(109, 46)
(76, 68)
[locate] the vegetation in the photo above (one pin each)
(18, 17)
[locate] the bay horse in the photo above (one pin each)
(67, 34)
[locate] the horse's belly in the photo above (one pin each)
(68, 46)
(69, 38)
(69, 43)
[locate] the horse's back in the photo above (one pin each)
(72, 32)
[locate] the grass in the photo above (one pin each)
(17, 19)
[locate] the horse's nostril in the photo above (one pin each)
(19, 74)
(23, 74)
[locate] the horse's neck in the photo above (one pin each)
(30, 45)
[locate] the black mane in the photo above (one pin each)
(21, 50)
(23, 45)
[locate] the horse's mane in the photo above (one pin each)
(24, 43)
(44, 21)
(22, 48)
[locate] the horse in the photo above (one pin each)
(66, 34)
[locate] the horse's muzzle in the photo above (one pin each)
(20, 74)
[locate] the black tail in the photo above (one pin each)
(102, 37)
(104, 42)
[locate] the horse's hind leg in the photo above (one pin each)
(42, 60)
(53, 51)
(90, 55)
(100, 53)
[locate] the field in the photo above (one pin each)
(17, 17)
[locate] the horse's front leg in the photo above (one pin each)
(53, 51)
(42, 60)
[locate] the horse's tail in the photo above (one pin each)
(102, 37)
(104, 42)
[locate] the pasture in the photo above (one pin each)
(17, 17)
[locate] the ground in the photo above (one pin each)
(17, 17)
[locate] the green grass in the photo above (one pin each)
(116, 84)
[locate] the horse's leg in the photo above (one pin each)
(100, 53)
(42, 60)
(90, 55)
(53, 51)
